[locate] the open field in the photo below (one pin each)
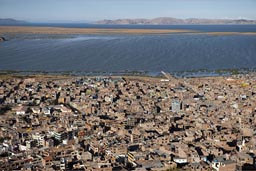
(59, 30)
(37, 77)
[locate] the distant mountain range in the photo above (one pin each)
(155, 21)
(6, 21)
(172, 21)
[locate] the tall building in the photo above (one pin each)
(60, 134)
(176, 105)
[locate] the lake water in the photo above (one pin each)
(118, 53)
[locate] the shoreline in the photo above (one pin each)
(146, 78)
(69, 31)
(144, 74)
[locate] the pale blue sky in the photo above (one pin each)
(91, 10)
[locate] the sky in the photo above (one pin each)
(93, 10)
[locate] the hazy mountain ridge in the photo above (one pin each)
(154, 21)
(4, 21)
(170, 21)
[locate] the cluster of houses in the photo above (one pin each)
(128, 123)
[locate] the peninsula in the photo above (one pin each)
(62, 30)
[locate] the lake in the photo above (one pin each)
(120, 53)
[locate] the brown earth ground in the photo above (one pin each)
(59, 30)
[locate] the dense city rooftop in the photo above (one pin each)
(128, 123)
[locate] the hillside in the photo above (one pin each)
(10, 21)
(172, 21)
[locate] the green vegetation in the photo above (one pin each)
(234, 72)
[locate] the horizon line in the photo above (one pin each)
(92, 21)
